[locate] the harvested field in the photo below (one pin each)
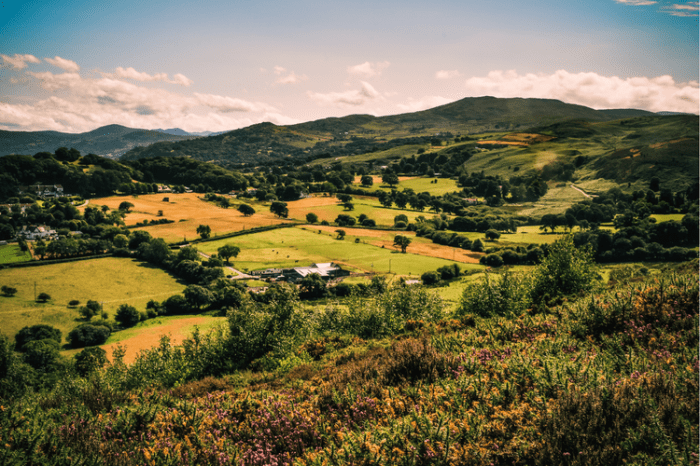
(188, 211)
(147, 336)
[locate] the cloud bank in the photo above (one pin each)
(79, 104)
(591, 89)
(18, 61)
(367, 69)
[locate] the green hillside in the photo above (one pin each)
(360, 134)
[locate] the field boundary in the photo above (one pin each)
(34, 263)
(237, 233)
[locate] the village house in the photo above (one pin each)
(43, 190)
(36, 232)
(326, 270)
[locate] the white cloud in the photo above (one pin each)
(19, 61)
(368, 69)
(131, 73)
(414, 105)
(290, 78)
(64, 64)
(689, 9)
(355, 97)
(444, 74)
(229, 104)
(591, 89)
(636, 2)
(78, 104)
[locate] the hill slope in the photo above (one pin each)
(356, 134)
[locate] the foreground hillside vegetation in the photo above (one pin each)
(549, 367)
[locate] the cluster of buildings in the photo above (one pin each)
(43, 191)
(327, 271)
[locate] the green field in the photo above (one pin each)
(10, 253)
(423, 184)
(362, 205)
(295, 247)
(112, 281)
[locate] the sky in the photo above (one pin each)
(210, 65)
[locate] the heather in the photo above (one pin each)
(600, 375)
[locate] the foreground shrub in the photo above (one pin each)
(494, 295)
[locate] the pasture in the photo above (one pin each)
(301, 246)
(188, 211)
(11, 253)
(112, 281)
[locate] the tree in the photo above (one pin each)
(390, 178)
(279, 208)
(41, 354)
(88, 335)
(89, 360)
(36, 332)
(312, 286)
(198, 296)
(43, 297)
(402, 242)
(367, 181)
(91, 309)
(478, 246)
(348, 206)
(246, 210)
(227, 251)
(492, 235)
(127, 315)
(8, 290)
(126, 206)
(311, 217)
(204, 231)
(341, 234)
(120, 241)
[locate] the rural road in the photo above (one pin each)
(581, 191)
(239, 275)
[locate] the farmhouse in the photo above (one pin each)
(326, 270)
(34, 233)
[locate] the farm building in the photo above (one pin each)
(326, 270)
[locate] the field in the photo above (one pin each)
(188, 211)
(328, 208)
(301, 246)
(11, 253)
(111, 281)
(147, 334)
(417, 184)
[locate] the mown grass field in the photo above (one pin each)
(301, 246)
(188, 211)
(11, 253)
(111, 281)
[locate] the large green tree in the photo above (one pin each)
(228, 250)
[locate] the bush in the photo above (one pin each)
(492, 260)
(504, 295)
(127, 316)
(89, 360)
(430, 278)
(88, 335)
(566, 270)
(8, 290)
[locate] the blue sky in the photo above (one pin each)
(215, 65)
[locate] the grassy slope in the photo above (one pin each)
(11, 253)
(113, 281)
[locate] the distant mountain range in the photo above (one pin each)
(182, 132)
(109, 141)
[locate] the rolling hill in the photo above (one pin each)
(108, 141)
